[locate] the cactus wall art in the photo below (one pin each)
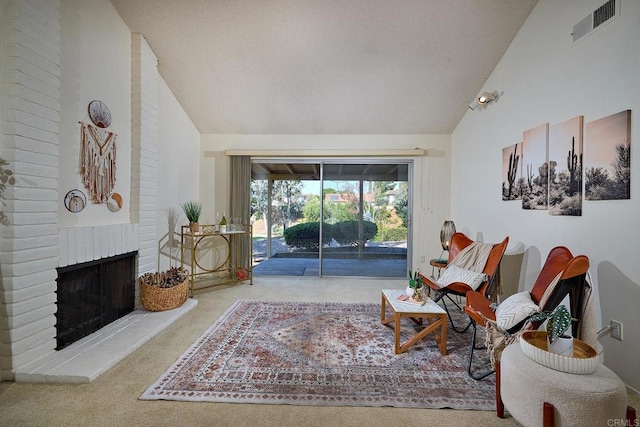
(512, 181)
(539, 172)
(565, 152)
(608, 160)
(548, 170)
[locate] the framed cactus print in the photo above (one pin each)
(535, 146)
(512, 181)
(565, 156)
(608, 158)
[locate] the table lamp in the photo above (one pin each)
(447, 230)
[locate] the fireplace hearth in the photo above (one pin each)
(93, 294)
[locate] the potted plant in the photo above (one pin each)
(192, 211)
(414, 283)
(558, 322)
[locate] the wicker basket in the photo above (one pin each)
(154, 298)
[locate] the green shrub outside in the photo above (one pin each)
(306, 235)
(346, 232)
(394, 234)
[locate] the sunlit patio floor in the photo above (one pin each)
(281, 266)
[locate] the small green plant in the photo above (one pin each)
(558, 321)
(192, 210)
(414, 279)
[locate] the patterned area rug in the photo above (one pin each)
(330, 354)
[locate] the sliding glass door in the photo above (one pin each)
(330, 218)
(365, 219)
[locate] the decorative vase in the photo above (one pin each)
(414, 290)
(194, 227)
(417, 294)
(563, 345)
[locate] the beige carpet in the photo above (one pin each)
(112, 399)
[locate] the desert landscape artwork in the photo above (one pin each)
(608, 158)
(537, 172)
(565, 158)
(512, 182)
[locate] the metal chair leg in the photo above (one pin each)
(453, 326)
(473, 347)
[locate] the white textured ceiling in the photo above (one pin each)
(326, 66)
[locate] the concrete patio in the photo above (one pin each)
(284, 266)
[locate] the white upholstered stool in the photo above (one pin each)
(578, 400)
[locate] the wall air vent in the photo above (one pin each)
(602, 15)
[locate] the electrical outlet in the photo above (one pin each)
(616, 330)
(423, 259)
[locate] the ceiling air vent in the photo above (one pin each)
(596, 19)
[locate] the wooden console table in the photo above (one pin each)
(216, 257)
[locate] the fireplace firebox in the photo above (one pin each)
(92, 295)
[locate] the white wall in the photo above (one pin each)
(63, 55)
(178, 167)
(95, 64)
(431, 175)
(547, 80)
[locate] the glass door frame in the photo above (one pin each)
(321, 162)
(360, 160)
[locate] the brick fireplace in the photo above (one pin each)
(34, 246)
(92, 295)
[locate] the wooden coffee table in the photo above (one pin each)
(435, 316)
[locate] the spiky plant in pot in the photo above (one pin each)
(558, 321)
(192, 210)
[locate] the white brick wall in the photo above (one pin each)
(144, 156)
(83, 244)
(33, 246)
(30, 76)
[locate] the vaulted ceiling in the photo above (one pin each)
(326, 66)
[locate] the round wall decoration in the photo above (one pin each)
(114, 202)
(99, 114)
(75, 201)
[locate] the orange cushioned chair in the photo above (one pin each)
(460, 241)
(562, 274)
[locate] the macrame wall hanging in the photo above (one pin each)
(98, 153)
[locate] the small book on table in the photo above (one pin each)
(409, 300)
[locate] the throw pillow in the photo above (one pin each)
(514, 310)
(453, 273)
